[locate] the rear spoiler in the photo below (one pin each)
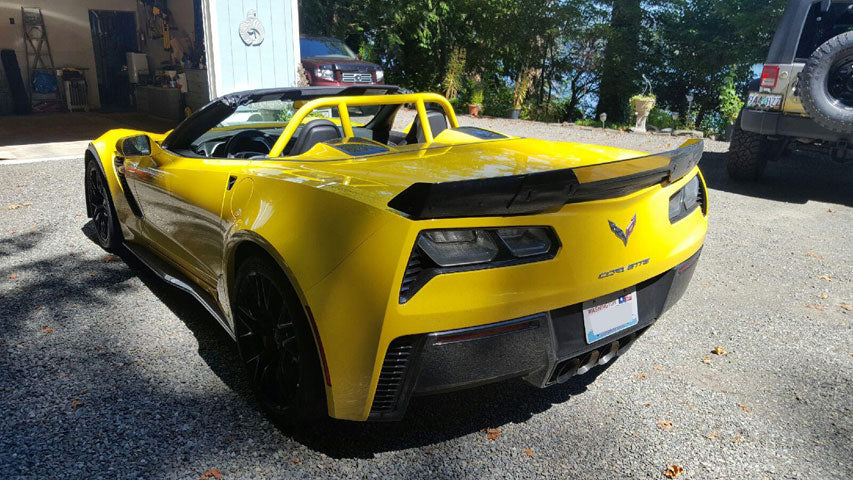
(541, 191)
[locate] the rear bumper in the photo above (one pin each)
(544, 349)
(775, 123)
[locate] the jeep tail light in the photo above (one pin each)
(769, 75)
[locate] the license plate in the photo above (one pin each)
(602, 319)
(764, 101)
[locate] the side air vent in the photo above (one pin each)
(703, 201)
(392, 376)
(413, 270)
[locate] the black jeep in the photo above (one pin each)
(804, 98)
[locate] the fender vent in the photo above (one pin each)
(392, 377)
(413, 269)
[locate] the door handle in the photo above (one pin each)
(232, 179)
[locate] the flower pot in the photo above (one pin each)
(474, 109)
(513, 114)
(643, 107)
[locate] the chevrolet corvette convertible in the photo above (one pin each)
(360, 253)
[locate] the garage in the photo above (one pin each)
(160, 58)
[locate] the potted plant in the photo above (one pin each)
(476, 100)
(642, 105)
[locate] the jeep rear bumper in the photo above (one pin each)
(779, 124)
(543, 349)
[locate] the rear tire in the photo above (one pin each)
(826, 84)
(99, 203)
(276, 344)
(748, 154)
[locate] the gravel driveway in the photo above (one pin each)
(106, 372)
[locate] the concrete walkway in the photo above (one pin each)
(62, 135)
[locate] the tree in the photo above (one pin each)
(618, 75)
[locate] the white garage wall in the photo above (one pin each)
(234, 66)
(67, 24)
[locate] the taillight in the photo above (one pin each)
(769, 75)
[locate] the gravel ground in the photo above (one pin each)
(106, 372)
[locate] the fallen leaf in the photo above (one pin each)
(640, 375)
(46, 329)
(109, 258)
(713, 435)
(744, 408)
(815, 307)
(38, 308)
(529, 452)
(13, 276)
(828, 278)
(824, 296)
(211, 474)
(734, 440)
(91, 274)
(658, 367)
(647, 405)
(673, 471)
(63, 374)
(719, 351)
(97, 348)
(814, 255)
(847, 307)
(493, 433)
(705, 284)
(706, 359)
(75, 404)
(664, 425)
(295, 461)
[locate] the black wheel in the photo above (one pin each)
(826, 84)
(276, 344)
(99, 204)
(748, 154)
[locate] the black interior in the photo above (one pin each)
(194, 136)
(312, 133)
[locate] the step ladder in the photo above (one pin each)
(39, 57)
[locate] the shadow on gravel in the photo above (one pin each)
(434, 419)
(429, 419)
(54, 286)
(791, 179)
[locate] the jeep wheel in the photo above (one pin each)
(748, 154)
(826, 84)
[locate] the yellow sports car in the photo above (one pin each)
(360, 253)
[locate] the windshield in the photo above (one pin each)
(324, 47)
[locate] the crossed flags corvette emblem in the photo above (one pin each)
(623, 235)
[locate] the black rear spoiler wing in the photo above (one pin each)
(541, 191)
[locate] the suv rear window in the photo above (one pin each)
(821, 26)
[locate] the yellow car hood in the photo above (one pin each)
(442, 163)
(488, 172)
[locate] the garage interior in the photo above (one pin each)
(76, 68)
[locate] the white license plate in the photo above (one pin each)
(764, 101)
(602, 319)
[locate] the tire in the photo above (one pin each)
(826, 84)
(99, 204)
(748, 154)
(276, 344)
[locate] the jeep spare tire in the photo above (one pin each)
(826, 84)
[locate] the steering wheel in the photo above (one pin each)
(236, 146)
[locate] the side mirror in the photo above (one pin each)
(135, 146)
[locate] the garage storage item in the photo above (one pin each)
(16, 83)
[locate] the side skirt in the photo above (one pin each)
(173, 276)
